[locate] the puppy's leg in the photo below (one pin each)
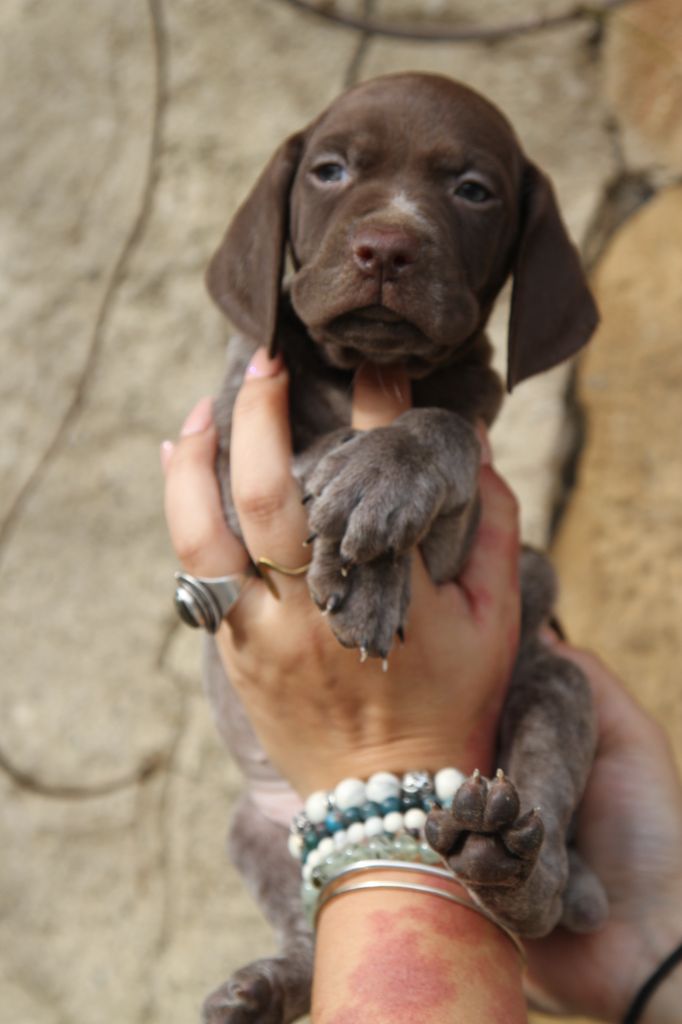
(380, 491)
(508, 839)
(273, 990)
(371, 500)
(277, 989)
(379, 588)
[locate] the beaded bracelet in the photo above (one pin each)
(403, 849)
(355, 812)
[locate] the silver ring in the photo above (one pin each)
(202, 601)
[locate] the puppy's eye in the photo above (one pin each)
(329, 172)
(473, 192)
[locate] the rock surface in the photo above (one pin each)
(131, 131)
(643, 78)
(619, 551)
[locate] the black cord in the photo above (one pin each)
(645, 992)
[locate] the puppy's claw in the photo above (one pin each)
(309, 540)
(502, 805)
(468, 806)
(524, 839)
(333, 604)
(346, 566)
(400, 633)
(363, 654)
(441, 831)
(384, 665)
(306, 498)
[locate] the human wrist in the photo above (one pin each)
(386, 812)
(654, 935)
(664, 1004)
(408, 876)
(400, 756)
(659, 997)
(412, 955)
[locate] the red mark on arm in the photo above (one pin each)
(426, 962)
(397, 979)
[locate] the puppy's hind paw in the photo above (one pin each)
(249, 997)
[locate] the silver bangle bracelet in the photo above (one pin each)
(396, 865)
(331, 891)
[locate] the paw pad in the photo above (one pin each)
(482, 836)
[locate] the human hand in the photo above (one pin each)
(319, 713)
(630, 832)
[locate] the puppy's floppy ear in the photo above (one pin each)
(245, 275)
(553, 313)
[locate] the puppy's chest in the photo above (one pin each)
(318, 407)
(321, 402)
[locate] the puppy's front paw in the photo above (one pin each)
(483, 838)
(366, 603)
(376, 495)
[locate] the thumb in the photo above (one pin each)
(490, 575)
(380, 395)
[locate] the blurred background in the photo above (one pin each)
(130, 132)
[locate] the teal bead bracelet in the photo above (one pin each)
(356, 812)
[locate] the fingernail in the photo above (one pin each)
(165, 452)
(262, 365)
(200, 418)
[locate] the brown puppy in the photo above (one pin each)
(402, 210)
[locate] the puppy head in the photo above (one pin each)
(405, 207)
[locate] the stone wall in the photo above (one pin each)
(130, 132)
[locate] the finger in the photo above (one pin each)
(380, 395)
(194, 513)
(266, 496)
(490, 576)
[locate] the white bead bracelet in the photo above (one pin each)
(355, 812)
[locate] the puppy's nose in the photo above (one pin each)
(385, 252)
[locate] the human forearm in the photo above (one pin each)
(397, 956)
